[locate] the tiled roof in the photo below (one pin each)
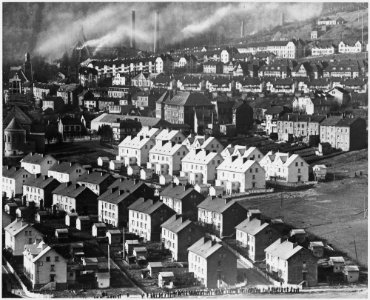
(14, 125)
(189, 99)
(41, 181)
(16, 227)
(35, 158)
(115, 195)
(347, 122)
(177, 191)
(64, 167)
(71, 190)
(13, 172)
(284, 250)
(217, 204)
(204, 247)
(17, 113)
(252, 227)
(147, 206)
(331, 121)
(94, 177)
(176, 223)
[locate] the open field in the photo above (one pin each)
(331, 210)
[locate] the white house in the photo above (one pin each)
(165, 158)
(119, 79)
(209, 143)
(304, 104)
(66, 171)
(285, 167)
(252, 153)
(199, 166)
(18, 234)
(43, 264)
(12, 180)
(349, 47)
(167, 135)
(37, 163)
(239, 174)
(135, 151)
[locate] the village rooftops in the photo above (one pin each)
(70, 190)
(302, 118)
(126, 184)
(189, 99)
(64, 167)
(347, 122)
(331, 121)
(16, 227)
(177, 191)
(40, 181)
(176, 224)
(200, 156)
(94, 177)
(12, 172)
(216, 204)
(283, 250)
(148, 206)
(205, 247)
(252, 227)
(169, 148)
(115, 195)
(34, 158)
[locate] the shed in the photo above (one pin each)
(180, 180)
(154, 268)
(140, 252)
(133, 170)
(83, 223)
(99, 229)
(319, 172)
(317, 248)
(115, 165)
(41, 216)
(337, 262)
(298, 234)
(216, 190)
(70, 219)
(10, 208)
(165, 279)
(114, 236)
(102, 160)
(130, 245)
(146, 174)
(103, 280)
(165, 179)
(62, 234)
(351, 273)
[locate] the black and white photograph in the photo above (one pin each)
(184, 149)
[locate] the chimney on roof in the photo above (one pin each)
(70, 164)
(88, 171)
(45, 177)
(121, 192)
(38, 175)
(245, 159)
(69, 183)
(213, 197)
(114, 189)
(295, 245)
(136, 181)
(132, 39)
(121, 179)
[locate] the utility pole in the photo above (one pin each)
(281, 200)
(108, 258)
(123, 244)
(354, 242)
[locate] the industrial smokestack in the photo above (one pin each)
(242, 30)
(132, 40)
(156, 25)
(282, 19)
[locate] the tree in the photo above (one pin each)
(106, 133)
(51, 132)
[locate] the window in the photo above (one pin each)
(56, 258)
(47, 258)
(52, 268)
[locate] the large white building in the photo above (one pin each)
(43, 264)
(349, 47)
(18, 234)
(135, 151)
(165, 158)
(38, 163)
(199, 166)
(285, 167)
(66, 171)
(12, 180)
(209, 143)
(239, 174)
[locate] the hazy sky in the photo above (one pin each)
(49, 29)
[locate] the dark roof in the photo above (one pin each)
(70, 121)
(94, 177)
(148, 206)
(217, 204)
(348, 122)
(178, 191)
(34, 158)
(41, 181)
(12, 172)
(302, 118)
(63, 167)
(72, 190)
(115, 195)
(20, 116)
(14, 125)
(87, 70)
(176, 224)
(273, 110)
(189, 99)
(250, 81)
(331, 121)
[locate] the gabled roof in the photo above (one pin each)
(71, 190)
(169, 148)
(176, 192)
(182, 98)
(35, 158)
(94, 177)
(217, 204)
(237, 165)
(284, 250)
(204, 247)
(331, 121)
(115, 195)
(14, 125)
(64, 167)
(19, 115)
(176, 224)
(252, 227)
(200, 156)
(13, 172)
(41, 181)
(16, 227)
(147, 206)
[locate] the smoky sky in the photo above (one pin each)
(50, 29)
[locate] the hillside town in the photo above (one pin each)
(134, 173)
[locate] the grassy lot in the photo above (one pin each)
(332, 210)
